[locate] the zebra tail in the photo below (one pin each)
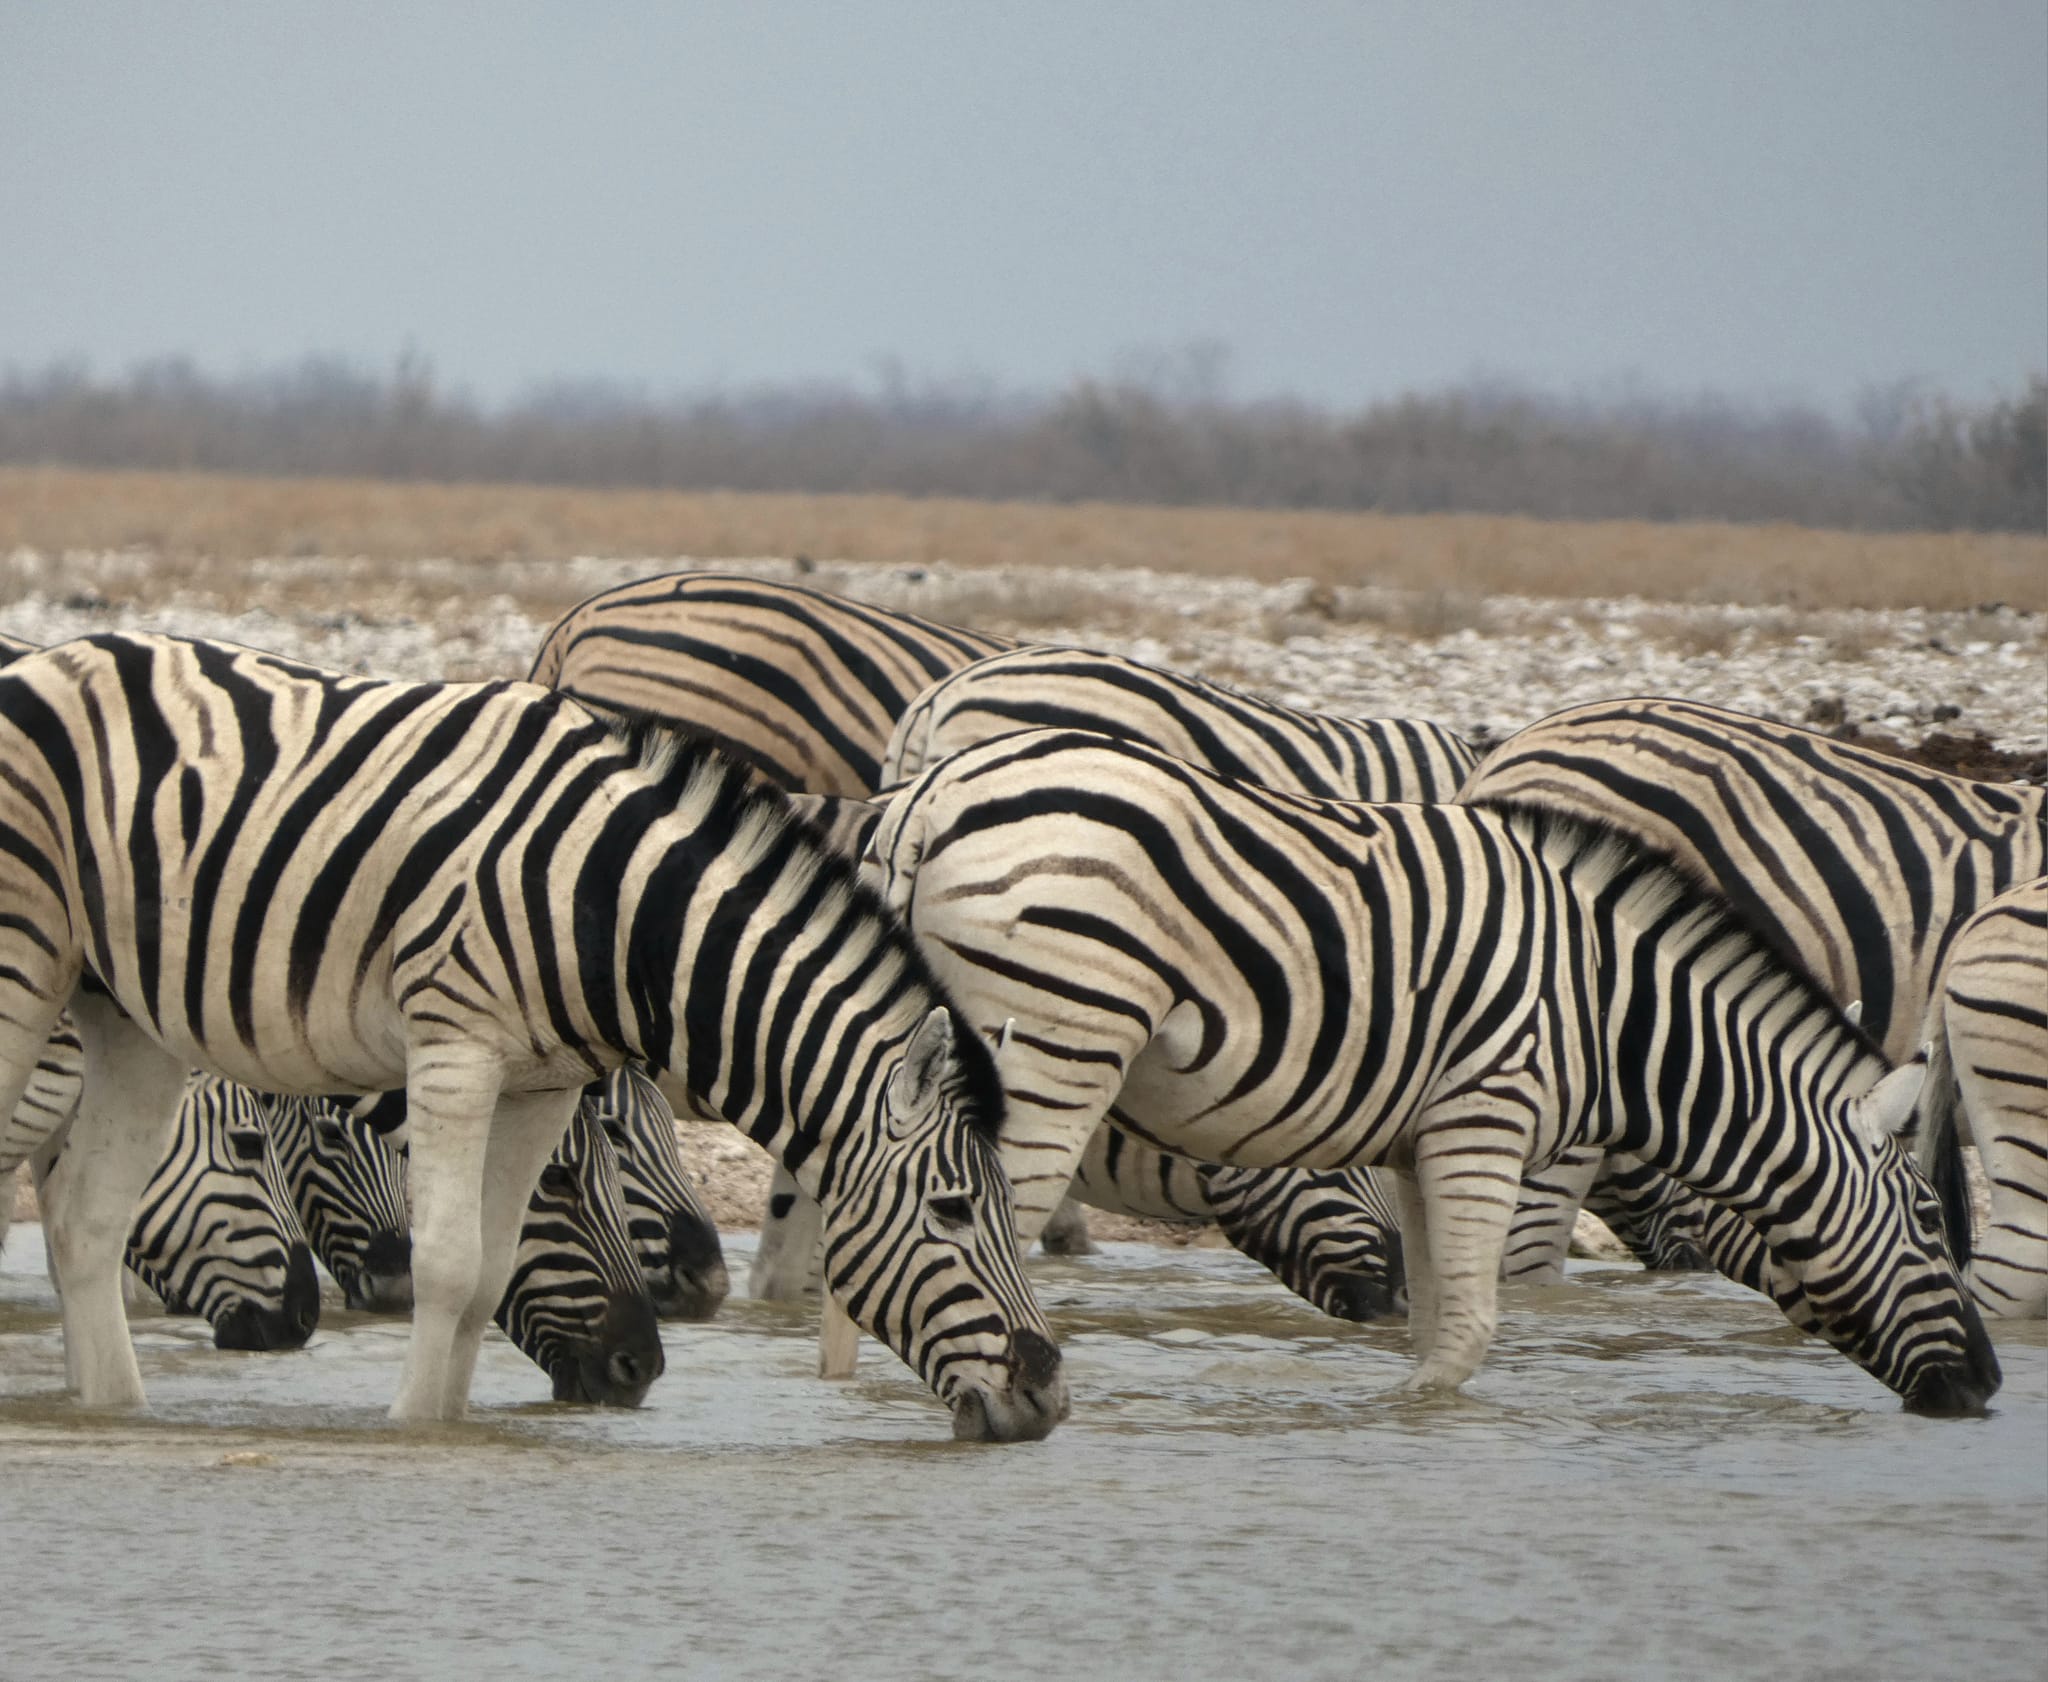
(1940, 1147)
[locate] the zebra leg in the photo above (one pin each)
(449, 1106)
(1540, 1235)
(1468, 1171)
(786, 1263)
(524, 1133)
(126, 1111)
(1421, 1273)
(2009, 1115)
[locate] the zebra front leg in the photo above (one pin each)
(786, 1262)
(1467, 1174)
(449, 1107)
(525, 1129)
(127, 1108)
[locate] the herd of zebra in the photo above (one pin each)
(415, 977)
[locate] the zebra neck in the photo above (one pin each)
(1726, 1071)
(776, 1001)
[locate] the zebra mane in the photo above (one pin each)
(697, 770)
(1606, 856)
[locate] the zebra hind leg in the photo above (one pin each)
(1540, 1233)
(786, 1259)
(126, 1111)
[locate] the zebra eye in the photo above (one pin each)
(558, 1178)
(329, 1134)
(246, 1143)
(615, 1130)
(953, 1212)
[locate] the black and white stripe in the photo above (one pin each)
(1988, 1071)
(1264, 978)
(676, 1240)
(346, 1185)
(315, 883)
(207, 1235)
(1856, 865)
(1243, 737)
(801, 684)
(807, 687)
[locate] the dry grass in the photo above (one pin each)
(188, 520)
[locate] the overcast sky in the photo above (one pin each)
(1772, 200)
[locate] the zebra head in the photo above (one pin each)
(1885, 1292)
(920, 1246)
(1328, 1235)
(209, 1236)
(577, 1304)
(347, 1184)
(677, 1242)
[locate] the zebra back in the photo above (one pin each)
(1224, 730)
(1854, 864)
(801, 684)
(677, 1242)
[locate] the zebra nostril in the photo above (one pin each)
(1034, 1361)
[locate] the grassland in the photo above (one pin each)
(193, 522)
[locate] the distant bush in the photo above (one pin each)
(1912, 460)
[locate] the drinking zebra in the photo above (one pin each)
(807, 687)
(1458, 991)
(1858, 866)
(309, 882)
(206, 1234)
(676, 1240)
(1988, 1026)
(346, 1184)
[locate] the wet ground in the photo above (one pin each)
(1651, 1478)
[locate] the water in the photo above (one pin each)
(1650, 1478)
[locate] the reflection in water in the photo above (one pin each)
(1650, 1478)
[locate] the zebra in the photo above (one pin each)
(1988, 1029)
(1857, 865)
(676, 1240)
(577, 1302)
(346, 1185)
(310, 882)
(801, 684)
(806, 687)
(206, 1235)
(1258, 978)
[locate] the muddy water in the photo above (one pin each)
(1651, 1478)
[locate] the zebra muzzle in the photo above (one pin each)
(696, 1282)
(252, 1325)
(619, 1363)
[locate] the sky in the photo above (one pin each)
(1351, 200)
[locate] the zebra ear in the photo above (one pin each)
(1887, 1109)
(913, 1091)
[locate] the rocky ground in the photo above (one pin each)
(1968, 691)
